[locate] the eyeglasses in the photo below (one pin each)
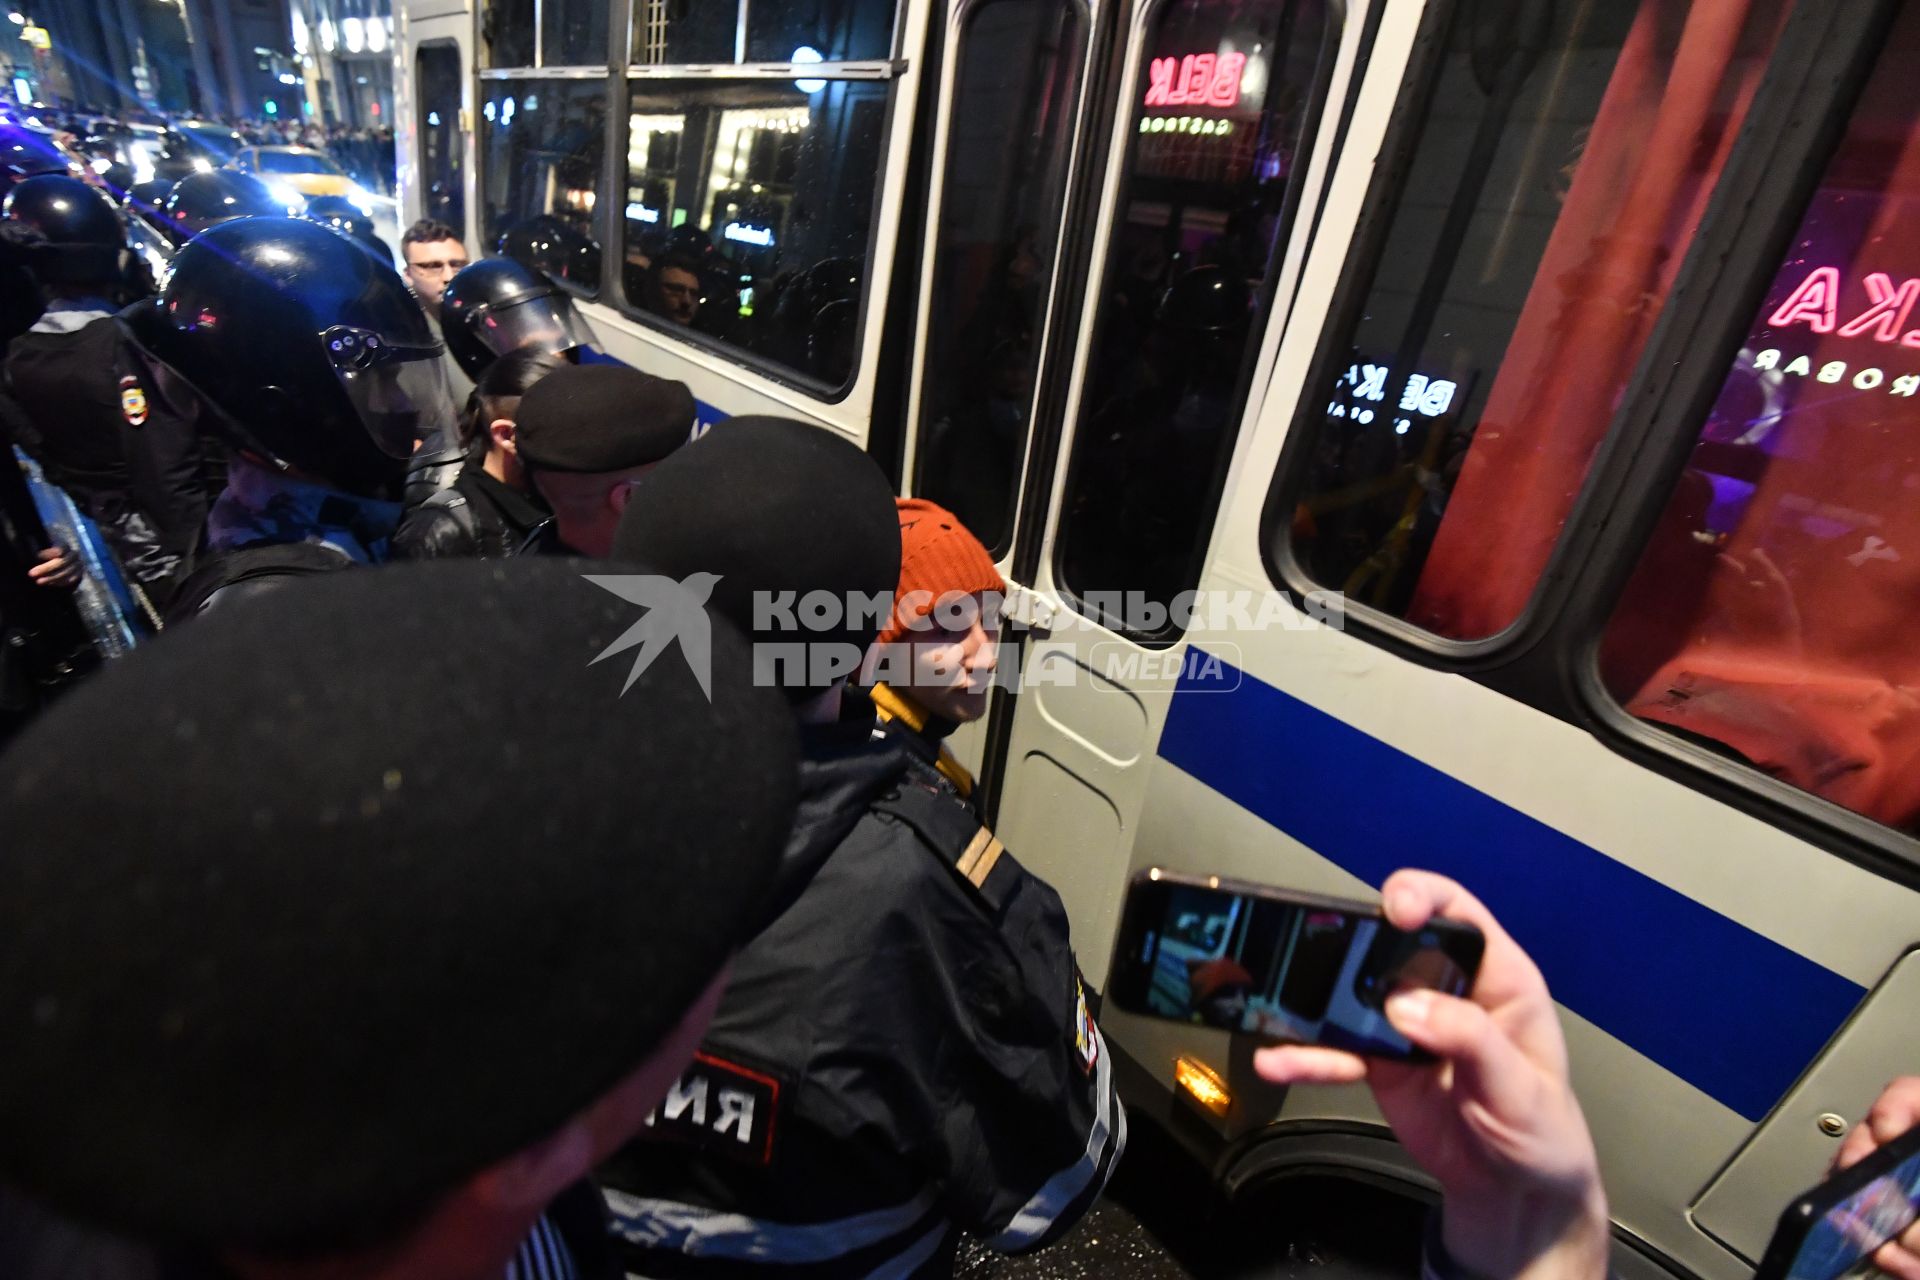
(435, 268)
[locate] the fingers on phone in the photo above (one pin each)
(1897, 1260)
(1299, 1064)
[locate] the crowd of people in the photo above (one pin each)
(442, 882)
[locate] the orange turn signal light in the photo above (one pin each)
(1203, 1084)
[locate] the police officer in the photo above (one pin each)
(321, 372)
(201, 201)
(123, 442)
(342, 1012)
(905, 1051)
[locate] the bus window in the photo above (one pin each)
(836, 30)
(442, 147)
(1769, 612)
(573, 33)
(1008, 143)
(1219, 129)
(544, 140)
(1564, 160)
(747, 213)
(708, 31)
(506, 33)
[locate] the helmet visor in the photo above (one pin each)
(399, 391)
(547, 323)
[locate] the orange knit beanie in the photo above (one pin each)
(938, 557)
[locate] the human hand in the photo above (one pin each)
(1495, 1121)
(56, 569)
(1893, 1113)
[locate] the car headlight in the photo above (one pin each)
(287, 195)
(360, 198)
(202, 165)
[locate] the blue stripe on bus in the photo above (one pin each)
(1731, 1012)
(705, 415)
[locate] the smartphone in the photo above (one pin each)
(1833, 1230)
(1287, 967)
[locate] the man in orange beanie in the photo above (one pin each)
(934, 663)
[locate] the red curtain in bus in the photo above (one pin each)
(1681, 85)
(1773, 611)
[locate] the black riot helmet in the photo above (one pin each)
(553, 248)
(313, 350)
(79, 237)
(337, 213)
(202, 200)
(23, 154)
(497, 305)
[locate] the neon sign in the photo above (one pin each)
(1816, 304)
(1206, 126)
(1366, 385)
(759, 237)
(1196, 80)
(1835, 371)
(637, 212)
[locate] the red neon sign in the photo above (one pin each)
(1816, 304)
(1197, 80)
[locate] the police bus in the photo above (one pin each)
(1472, 434)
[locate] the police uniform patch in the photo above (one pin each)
(1086, 1040)
(722, 1108)
(133, 401)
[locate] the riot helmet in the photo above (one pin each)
(24, 153)
(337, 213)
(553, 248)
(79, 237)
(497, 305)
(312, 350)
(202, 200)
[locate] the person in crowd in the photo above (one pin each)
(199, 1060)
(905, 1050)
(491, 509)
(1496, 1122)
(123, 442)
(320, 370)
(434, 255)
(588, 434)
(499, 305)
(1219, 990)
(677, 290)
(934, 663)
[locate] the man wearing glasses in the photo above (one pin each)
(433, 254)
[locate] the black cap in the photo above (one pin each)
(775, 508)
(602, 417)
(307, 912)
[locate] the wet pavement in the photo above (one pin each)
(1109, 1244)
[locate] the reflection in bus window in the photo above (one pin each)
(708, 31)
(506, 33)
(1771, 613)
(1009, 137)
(442, 144)
(747, 213)
(1219, 135)
(1567, 154)
(573, 33)
(544, 141)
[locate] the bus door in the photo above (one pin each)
(1096, 324)
(436, 122)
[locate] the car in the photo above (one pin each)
(297, 174)
(195, 146)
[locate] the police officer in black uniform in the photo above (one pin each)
(118, 436)
(201, 201)
(320, 372)
(905, 1051)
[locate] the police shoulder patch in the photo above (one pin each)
(1086, 1038)
(723, 1108)
(133, 401)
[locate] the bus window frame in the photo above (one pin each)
(613, 285)
(1117, 174)
(481, 78)
(1050, 324)
(1548, 658)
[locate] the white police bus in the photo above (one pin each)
(1573, 343)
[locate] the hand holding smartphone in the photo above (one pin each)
(1286, 967)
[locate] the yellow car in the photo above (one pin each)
(296, 174)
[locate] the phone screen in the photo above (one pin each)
(1841, 1242)
(1297, 969)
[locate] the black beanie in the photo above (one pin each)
(323, 902)
(778, 510)
(601, 417)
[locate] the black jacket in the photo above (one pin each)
(122, 437)
(904, 1053)
(477, 516)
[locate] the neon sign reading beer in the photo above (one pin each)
(1196, 80)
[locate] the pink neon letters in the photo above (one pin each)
(1816, 304)
(1197, 80)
